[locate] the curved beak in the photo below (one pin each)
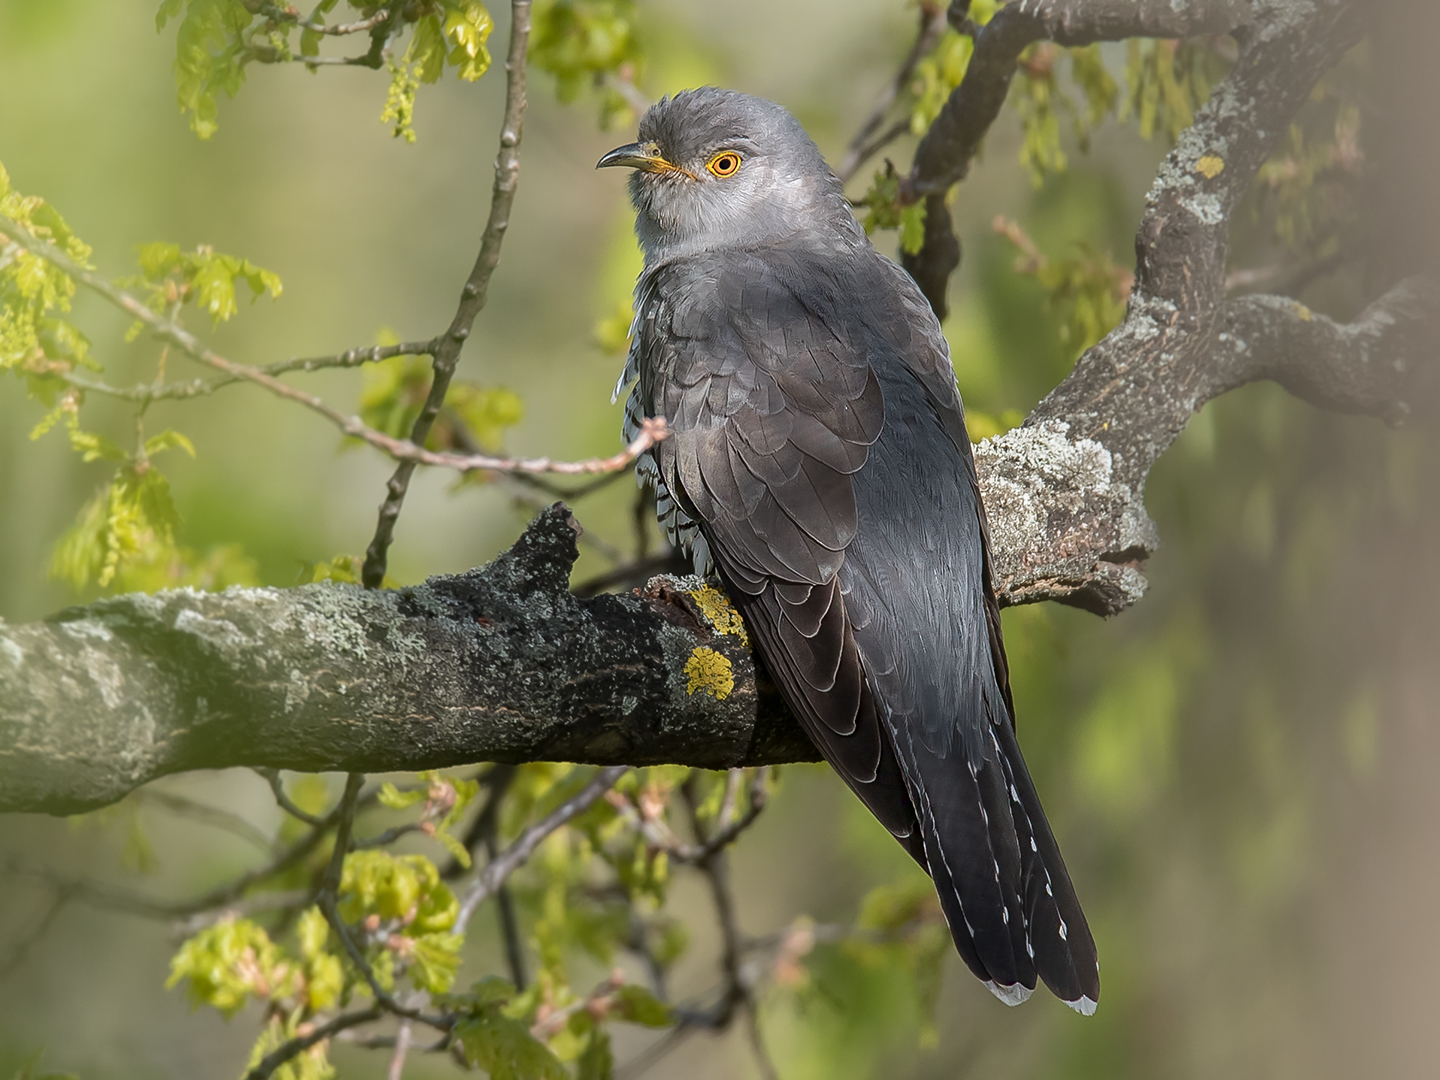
(643, 156)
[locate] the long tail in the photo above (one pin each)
(1001, 881)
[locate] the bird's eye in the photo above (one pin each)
(726, 163)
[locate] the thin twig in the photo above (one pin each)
(191, 388)
(513, 857)
(402, 1046)
(208, 815)
(298, 1045)
(662, 836)
(282, 800)
(862, 146)
(473, 295)
(401, 449)
(17, 952)
(328, 898)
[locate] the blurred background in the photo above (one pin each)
(1241, 771)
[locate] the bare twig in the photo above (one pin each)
(282, 800)
(298, 1045)
(402, 1047)
(515, 856)
(863, 145)
(328, 897)
(401, 449)
(207, 814)
(473, 295)
(191, 388)
(20, 948)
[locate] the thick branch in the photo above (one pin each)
(944, 155)
(499, 664)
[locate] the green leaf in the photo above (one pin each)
(427, 49)
(93, 447)
(396, 799)
(209, 57)
(434, 961)
(505, 1048)
(404, 887)
(228, 963)
(636, 1005)
(581, 41)
(168, 440)
(158, 259)
(597, 1060)
(468, 26)
(458, 851)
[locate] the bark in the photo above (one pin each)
(498, 664)
(505, 664)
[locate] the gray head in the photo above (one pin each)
(716, 169)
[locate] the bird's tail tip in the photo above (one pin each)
(1083, 1005)
(1015, 994)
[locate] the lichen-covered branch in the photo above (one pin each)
(500, 664)
(505, 664)
(944, 155)
(1065, 491)
(1077, 467)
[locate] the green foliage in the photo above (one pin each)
(311, 1064)
(1088, 288)
(210, 55)
(585, 43)
(1165, 82)
(1307, 186)
(938, 74)
(474, 418)
(35, 343)
(445, 800)
(498, 1043)
(885, 210)
(229, 963)
(1039, 97)
(218, 39)
(171, 278)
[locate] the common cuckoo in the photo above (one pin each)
(818, 463)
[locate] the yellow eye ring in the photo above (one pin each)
(726, 163)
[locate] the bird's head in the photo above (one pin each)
(719, 169)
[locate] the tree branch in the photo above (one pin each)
(944, 155)
(446, 353)
(498, 664)
(504, 664)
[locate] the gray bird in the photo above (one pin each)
(818, 462)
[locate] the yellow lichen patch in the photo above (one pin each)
(1210, 166)
(719, 612)
(709, 671)
(1301, 311)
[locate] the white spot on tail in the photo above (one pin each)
(1018, 995)
(1064, 931)
(1084, 1006)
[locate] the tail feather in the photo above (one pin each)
(997, 869)
(974, 860)
(1065, 954)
